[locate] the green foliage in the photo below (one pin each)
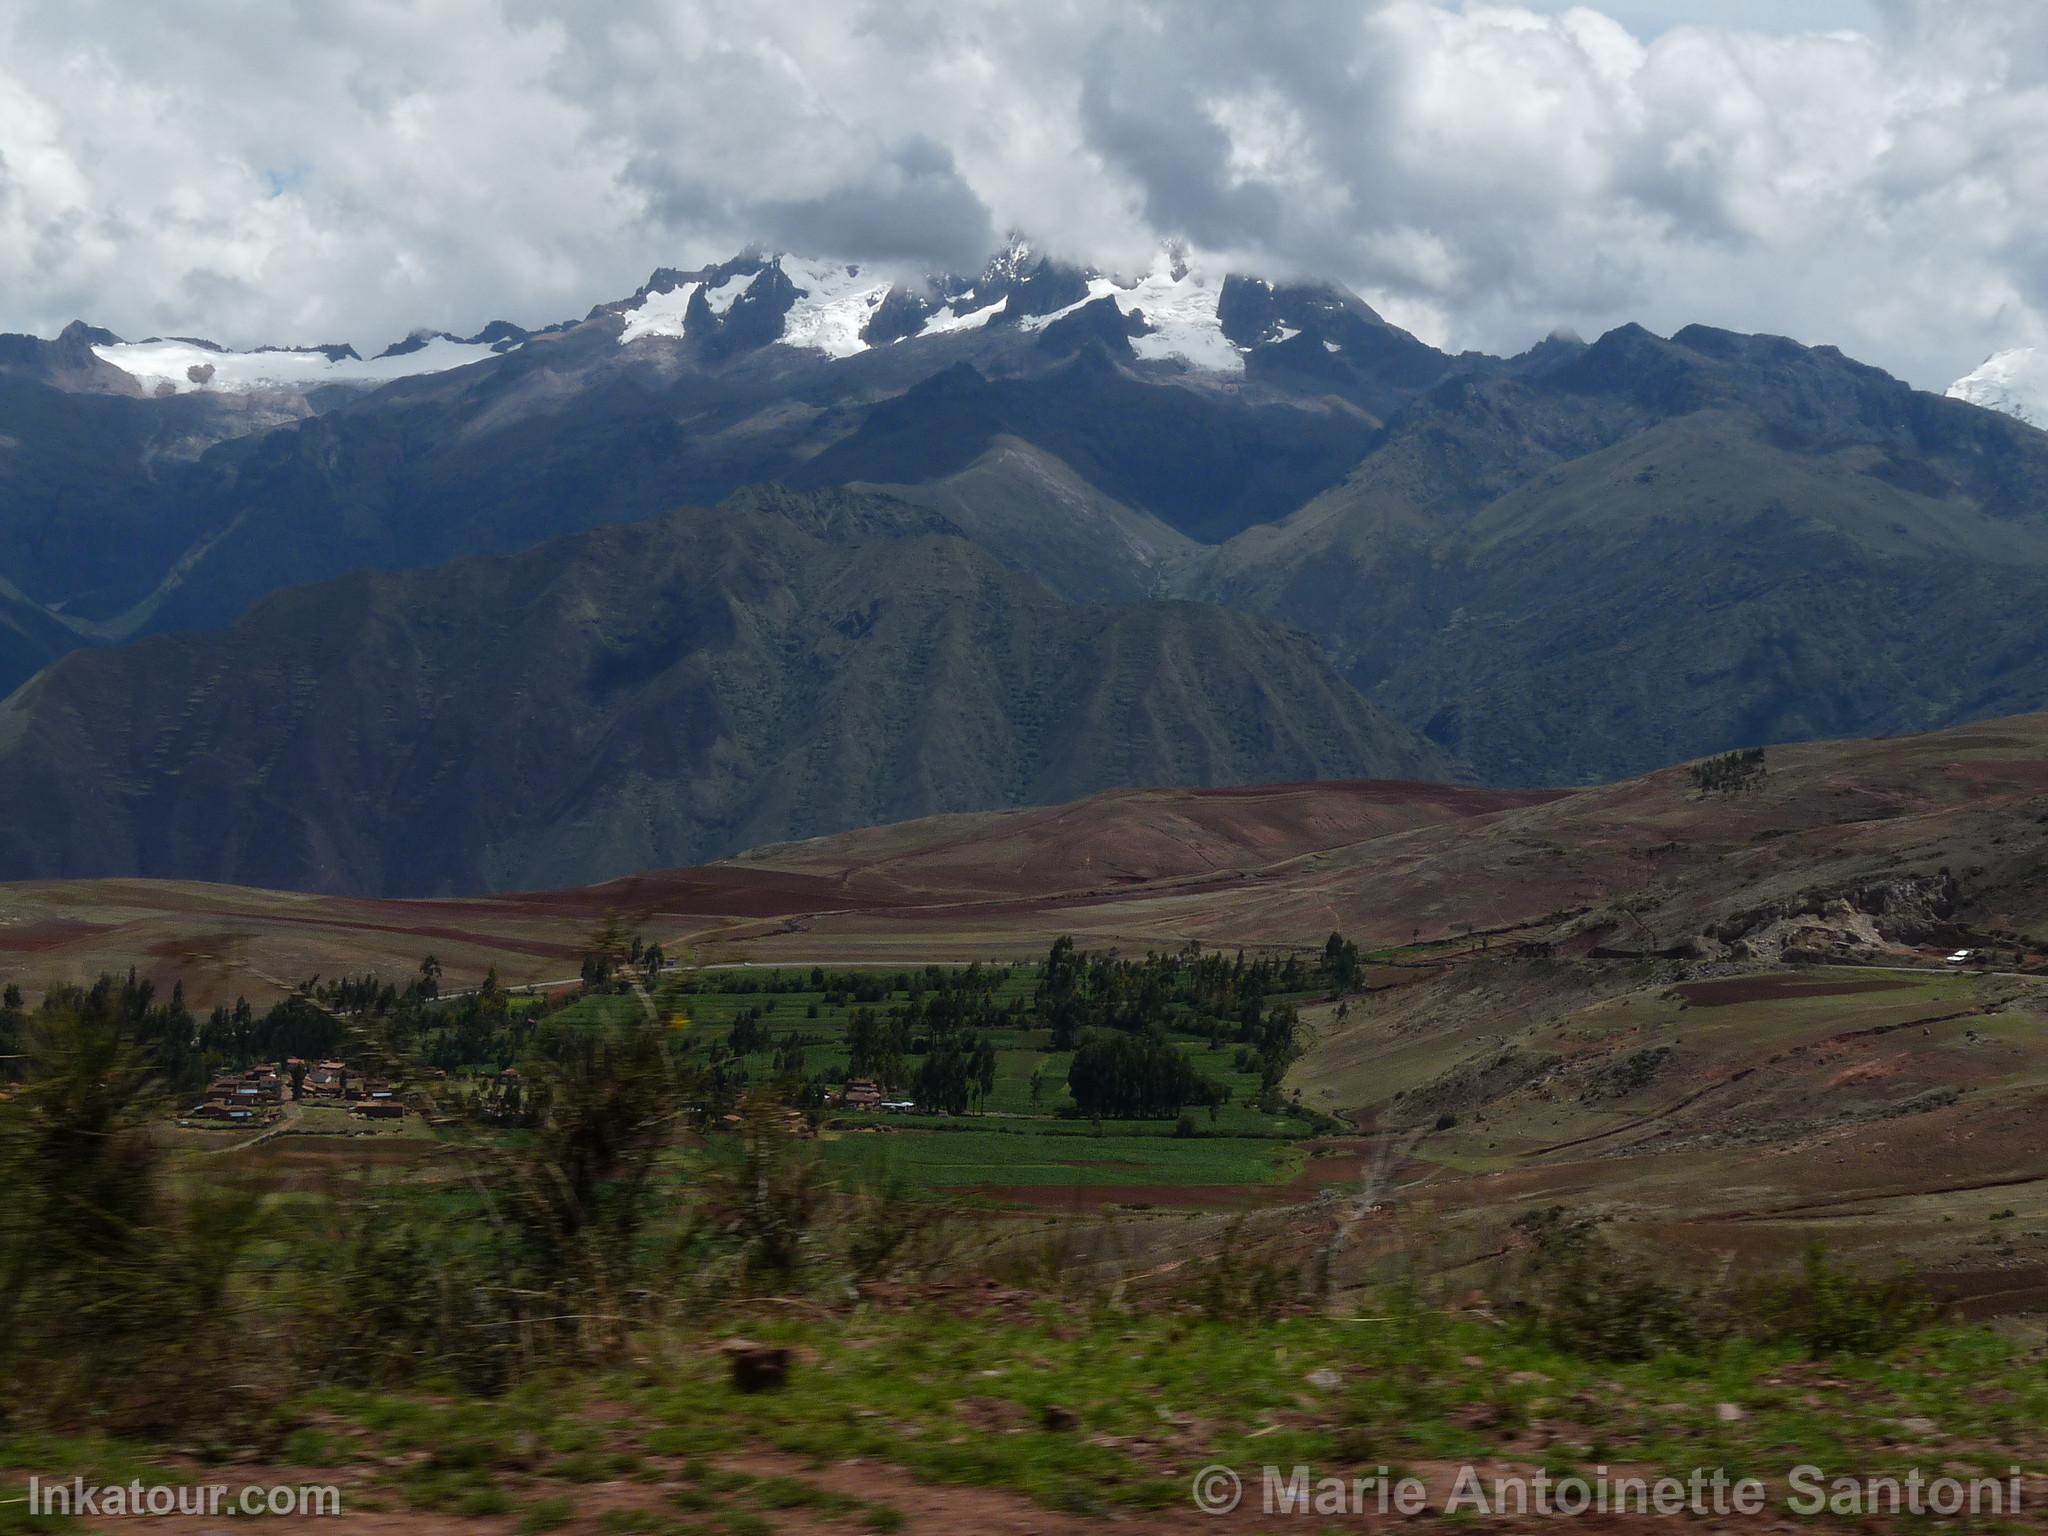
(1124, 1076)
(549, 1514)
(1827, 1309)
(394, 1292)
(1730, 774)
(1630, 1073)
(1580, 1294)
(1584, 1297)
(114, 1295)
(759, 1200)
(889, 1230)
(1256, 703)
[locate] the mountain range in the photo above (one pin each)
(497, 610)
(784, 664)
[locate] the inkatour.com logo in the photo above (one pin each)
(81, 1499)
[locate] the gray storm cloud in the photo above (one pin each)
(349, 171)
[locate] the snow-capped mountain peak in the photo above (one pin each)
(1178, 306)
(177, 365)
(845, 308)
(1011, 263)
(2014, 381)
(1178, 315)
(834, 302)
(826, 306)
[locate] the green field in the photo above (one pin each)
(1021, 1156)
(1017, 1136)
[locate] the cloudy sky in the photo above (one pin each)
(1872, 173)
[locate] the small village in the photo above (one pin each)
(258, 1096)
(866, 1093)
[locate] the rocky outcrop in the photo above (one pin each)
(1850, 923)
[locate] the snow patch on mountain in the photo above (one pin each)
(945, 322)
(171, 366)
(728, 293)
(834, 302)
(1178, 302)
(1010, 265)
(659, 314)
(2014, 381)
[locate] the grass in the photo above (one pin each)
(1024, 1159)
(1145, 1399)
(548, 1514)
(318, 1119)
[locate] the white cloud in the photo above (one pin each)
(348, 171)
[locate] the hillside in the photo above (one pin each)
(1562, 568)
(1837, 850)
(1033, 512)
(653, 694)
(1646, 550)
(1717, 1017)
(1645, 865)
(166, 485)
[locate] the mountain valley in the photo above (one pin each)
(1560, 568)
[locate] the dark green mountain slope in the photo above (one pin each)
(645, 695)
(1571, 565)
(145, 515)
(1206, 463)
(99, 494)
(1644, 551)
(29, 638)
(1034, 513)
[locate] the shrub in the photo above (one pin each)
(1583, 1296)
(114, 1295)
(1580, 1294)
(1829, 1310)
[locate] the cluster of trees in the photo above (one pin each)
(748, 1032)
(1215, 995)
(954, 1073)
(127, 1007)
(1089, 999)
(1732, 773)
(616, 959)
(878, 1044)
(1123, 1019)
(862, 988)
(946, 1020)
(514, 1103)
(1137, 1076)
(235, 1037)
(126, 1295)
(479, 1031)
